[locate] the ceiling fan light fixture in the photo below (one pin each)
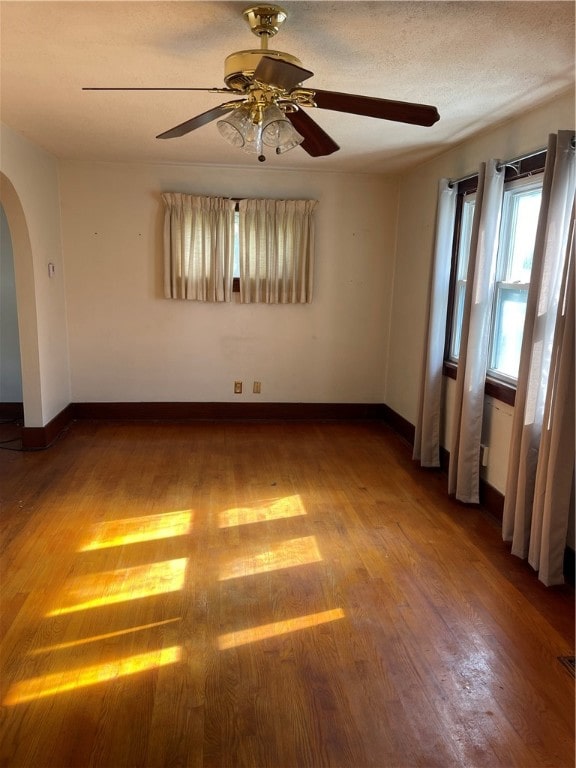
(250, 127)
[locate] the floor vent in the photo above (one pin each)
(569, 662)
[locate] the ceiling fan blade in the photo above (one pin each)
(281, 74)
(199, 120)
(316, 141)
(399, 111)
(210, 90)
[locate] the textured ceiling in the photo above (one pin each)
(479, 63)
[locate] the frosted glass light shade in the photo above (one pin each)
(278, 131)
(234, 127)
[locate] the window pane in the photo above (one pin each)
(526, 206)
(520, 209)
(510, 311)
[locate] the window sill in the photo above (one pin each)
(496, 389)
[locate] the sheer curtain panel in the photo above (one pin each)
(464, 469)
(198, 247)
(541, 464)
(427, 436)
(276, 251)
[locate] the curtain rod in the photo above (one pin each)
(511, 162)
(516, 160)
(452, 182)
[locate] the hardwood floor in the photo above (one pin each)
(267, 594)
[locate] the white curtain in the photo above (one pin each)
(464, 468)
(276, 251)
(427, 436)
(541, 464)
(198, 247)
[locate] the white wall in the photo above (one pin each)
(10, 366)
(30, 188)
(417, 207)
(128, 343)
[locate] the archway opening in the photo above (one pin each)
(11, 397)
(20, 355)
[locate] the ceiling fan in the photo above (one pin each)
(271, 112)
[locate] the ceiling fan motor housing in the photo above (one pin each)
(239, 67)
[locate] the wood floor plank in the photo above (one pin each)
(275, 595)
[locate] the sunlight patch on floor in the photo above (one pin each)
(100, 589)
(98, 638)
(60, 682)
(286, 554)
(133, 530)
(289, 506)
(266, 631)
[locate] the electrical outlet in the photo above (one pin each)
(257, 387)
(237, 387)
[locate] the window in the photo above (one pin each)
(209, 241)
(520, 209)
(519, 219)
(468, 204)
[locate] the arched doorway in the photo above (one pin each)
(11, 400)
(26, 327)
